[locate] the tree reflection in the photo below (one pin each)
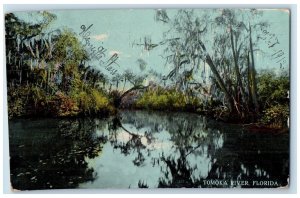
(133, 144)
(55, 159)
(242, 158)
(189, 135)
(190, 138)
(226, 152)
(178, 174)
(183, 150)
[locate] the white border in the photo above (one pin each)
(161, 3)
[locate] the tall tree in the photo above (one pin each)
(252, 74)
(25, 45)
(218, 38)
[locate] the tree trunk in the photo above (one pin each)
(252, 74)
(124, 84)
(219, 79)
(239, 84)
(132, 89)
(47, 81)
(250, 102)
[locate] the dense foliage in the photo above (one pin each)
(173, 100)
(46, 72)
(274, 99)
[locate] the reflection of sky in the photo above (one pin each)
(115, 169)
(117, 30)
(202, 151)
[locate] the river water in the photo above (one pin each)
(140, 149)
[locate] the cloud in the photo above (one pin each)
(100, 37)
(112, 52)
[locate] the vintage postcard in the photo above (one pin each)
(148, 98)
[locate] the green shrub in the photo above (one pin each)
(272, 89)
(17, 102)
(93, 101)
(273, 92)
(161, 99)
(101, 102)
(85, 102)
(276, 116)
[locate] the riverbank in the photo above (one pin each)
(33, 101)
(257, 127)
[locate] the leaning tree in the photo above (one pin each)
(221, 39)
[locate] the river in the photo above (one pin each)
(140, 149)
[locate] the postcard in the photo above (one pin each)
(148, 98)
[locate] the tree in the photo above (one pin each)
(188, 43)
(49, 67)
(137, 83)
(26, 44)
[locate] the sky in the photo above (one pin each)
(118, 30)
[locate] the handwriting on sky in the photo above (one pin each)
(277, 54)
(98, 52)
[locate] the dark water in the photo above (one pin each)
(142, 149)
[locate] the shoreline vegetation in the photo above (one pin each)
(47, 76)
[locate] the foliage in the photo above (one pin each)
(68, 48)
(100, 101)
(16, 101)
(161, 99)
(34, 101)
(273, 89)
(46, 72)
(93, 102)
(65, 106)
(276, 116)
(273, 92)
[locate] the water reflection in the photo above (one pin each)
(145, 150)
(51, 153)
